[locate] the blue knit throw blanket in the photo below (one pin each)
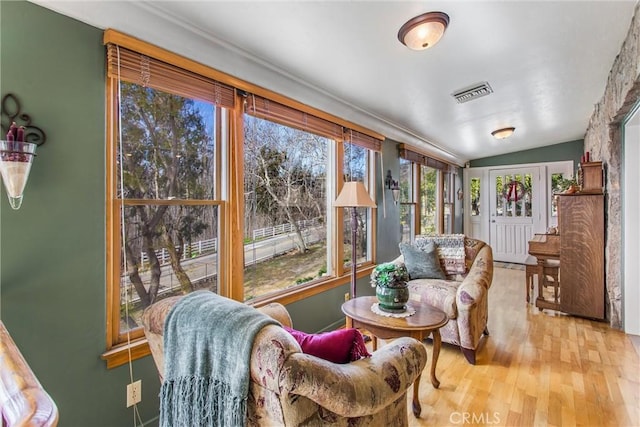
(207, 347)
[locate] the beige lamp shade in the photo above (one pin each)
(354, 194)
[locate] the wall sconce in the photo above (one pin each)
(18, 149)
(393, 186)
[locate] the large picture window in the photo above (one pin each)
(212, 187)
(166, 187)
(286, 212)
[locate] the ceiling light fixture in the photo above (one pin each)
(424, 30)
(503, 133)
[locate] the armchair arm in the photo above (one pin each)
(472, 299)
(358, 388)
(477, 283)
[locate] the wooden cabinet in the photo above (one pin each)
(581, 229)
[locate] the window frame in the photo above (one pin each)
(444, 174)
(335, 226)
(122, 348)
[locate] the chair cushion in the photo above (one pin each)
(339, 346)
(422, 263)
(437, 293)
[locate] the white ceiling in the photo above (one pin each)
(547, 61)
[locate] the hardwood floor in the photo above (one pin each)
(536, 368)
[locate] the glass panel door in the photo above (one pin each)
(512, 207)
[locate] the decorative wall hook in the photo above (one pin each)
(10, 113)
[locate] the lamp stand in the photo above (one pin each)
(354, 226)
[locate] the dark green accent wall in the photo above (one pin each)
(571, 150)
(52, 256)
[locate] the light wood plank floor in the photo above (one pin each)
(537, 368)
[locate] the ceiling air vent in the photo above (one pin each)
(472, 92)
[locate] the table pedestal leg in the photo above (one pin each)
(437, 341)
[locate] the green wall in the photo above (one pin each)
(52, 251)
(572, 150)
(52, 259)
(52, 266)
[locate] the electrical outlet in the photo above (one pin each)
(347, 297)
(134, 393)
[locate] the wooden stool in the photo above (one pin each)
(551, 277)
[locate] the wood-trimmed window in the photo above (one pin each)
(425, 194)
(177, 185)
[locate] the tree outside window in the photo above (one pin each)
(176, 213)
(355, 168)
(428, 200)
(407, 200)
(165, 185)
(285, 196)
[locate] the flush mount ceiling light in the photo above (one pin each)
(424, 30)
(503, 133)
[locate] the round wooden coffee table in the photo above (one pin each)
(426, 320)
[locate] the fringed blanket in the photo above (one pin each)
(207, 347)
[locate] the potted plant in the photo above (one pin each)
(390, 280)
(568, 186)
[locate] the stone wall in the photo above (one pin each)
(604, 140)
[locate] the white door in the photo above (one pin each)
(513, 207)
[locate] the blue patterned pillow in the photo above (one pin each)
(422, 263)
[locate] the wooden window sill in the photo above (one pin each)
(119, 355)
(139, 348)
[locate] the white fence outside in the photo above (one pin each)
(188, 251)
(282, 228)
(211, 245)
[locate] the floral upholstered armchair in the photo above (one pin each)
(453, 273)
(290, 388)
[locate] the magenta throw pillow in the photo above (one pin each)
(340, 346)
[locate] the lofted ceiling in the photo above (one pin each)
(546, 61)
